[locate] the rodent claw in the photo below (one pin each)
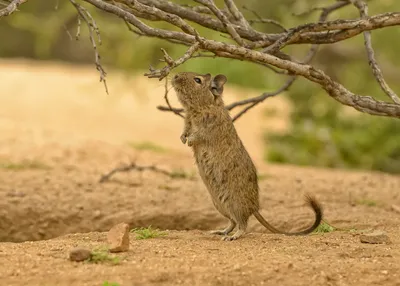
(183, 138)
(229, 238)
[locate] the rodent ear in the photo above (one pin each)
(217, 84)
(207, 77)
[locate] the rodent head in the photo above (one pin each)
(199, 90)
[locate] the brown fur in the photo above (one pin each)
(223, 162)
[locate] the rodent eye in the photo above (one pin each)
(198, 80)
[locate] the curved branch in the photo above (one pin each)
(363, 8)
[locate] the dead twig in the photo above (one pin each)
(171, 64)
(167, 100)
(309, 11)
(256, 100)
(264, 21)
(84, 14)
(363, 8)
(133, 167)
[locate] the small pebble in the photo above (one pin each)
(396, 208)
(79, 254)
(376, 237)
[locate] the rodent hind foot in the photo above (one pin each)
(219, 232)
(229, 238)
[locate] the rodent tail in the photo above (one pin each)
(313, 203)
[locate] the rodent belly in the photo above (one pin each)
(225, 175)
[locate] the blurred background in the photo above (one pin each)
(318, 130)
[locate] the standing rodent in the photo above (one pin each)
(223, 162)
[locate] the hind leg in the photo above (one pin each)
(241, 230)
(227, 230)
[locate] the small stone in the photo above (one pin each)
(79, 254)
(376, 237)
(118, 238)
(97, 214)
(396, 208)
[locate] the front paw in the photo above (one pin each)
(190, 141)
(183, 138)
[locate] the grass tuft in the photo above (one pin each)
(101, 255)
(106, 283)
(24, 165)
(182, 174)
(146, 145)
(367, 202)
(147, 232)
(324, 227)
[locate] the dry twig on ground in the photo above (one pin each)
(133, 167)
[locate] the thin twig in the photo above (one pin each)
(309, 11)
(92, 27)
(262, 97)
(167, 100)
(133, 167)
(161, 73)
(165, 108)
(363, 8)
(78, 29)
(262, 20)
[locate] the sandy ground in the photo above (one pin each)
(60, 132)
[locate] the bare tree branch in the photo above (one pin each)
(228, 26)
(237, 15)
(256, 100)
(11, 8)
(363, 8)
(249, 41)
(313, 50)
